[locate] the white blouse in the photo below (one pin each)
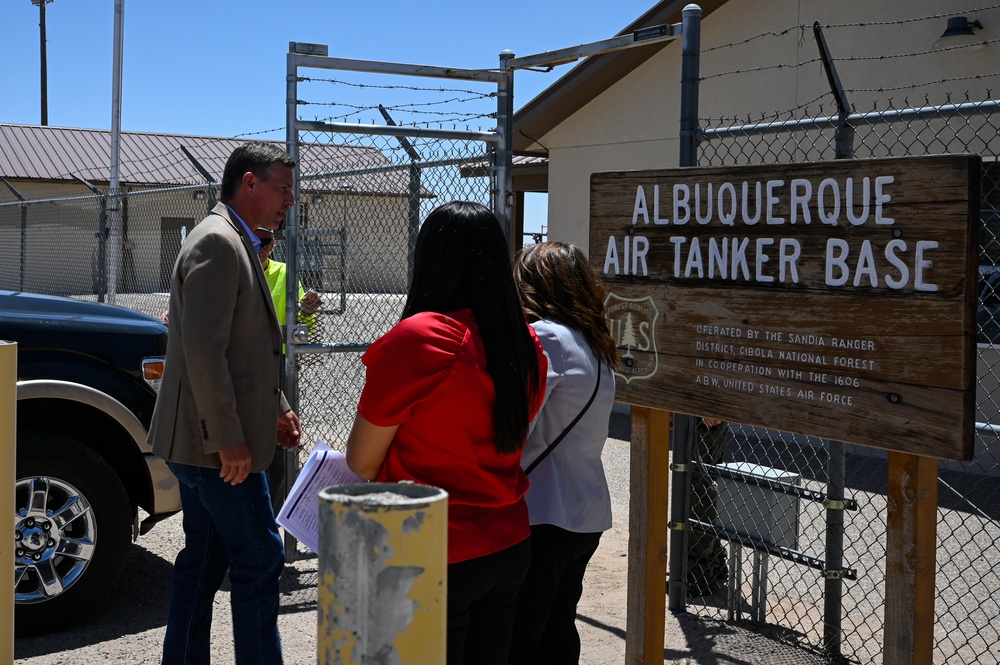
(568, 488)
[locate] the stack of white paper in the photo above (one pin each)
(299, 515)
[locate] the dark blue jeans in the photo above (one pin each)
(226, 527)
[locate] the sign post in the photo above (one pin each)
(833, 299)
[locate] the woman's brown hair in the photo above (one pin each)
(556, 282)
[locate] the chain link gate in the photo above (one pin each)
(363, 190)
(788, 531)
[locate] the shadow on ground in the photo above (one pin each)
(138, 604)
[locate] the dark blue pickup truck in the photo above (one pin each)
(86, 379)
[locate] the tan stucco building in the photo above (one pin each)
(621, 111)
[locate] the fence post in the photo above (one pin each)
(680, 510)
(833, 596)
(834, 585)
(844, 142)
(291, 230)
(684, 425)
(504, 155)
(382, 574)
(8, 416)
(413, 197)
(690, 72)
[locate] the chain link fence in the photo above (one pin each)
(385, 153)
(76, 241)
(765, 503)
(358, 236)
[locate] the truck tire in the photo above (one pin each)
(73, 529)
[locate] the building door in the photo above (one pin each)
(172, 232)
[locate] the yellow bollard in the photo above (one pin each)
(383, 566)
(8, 417)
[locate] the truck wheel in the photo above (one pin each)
(73, 529)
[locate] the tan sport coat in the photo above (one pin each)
(222, 376)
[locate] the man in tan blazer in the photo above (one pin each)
(220, 413)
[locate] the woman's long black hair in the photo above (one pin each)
(461, 261)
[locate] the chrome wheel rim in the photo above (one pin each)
(55, 532)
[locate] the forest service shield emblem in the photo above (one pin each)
(633, 325)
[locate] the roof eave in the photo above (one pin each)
(590, 78)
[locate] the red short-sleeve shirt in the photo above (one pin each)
(428, 375)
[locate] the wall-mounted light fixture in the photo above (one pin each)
(960, 32)
(199, 195)
(318, 199)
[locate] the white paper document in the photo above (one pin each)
(299, 515)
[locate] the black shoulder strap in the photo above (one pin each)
(551, 446)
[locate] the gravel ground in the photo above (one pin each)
(128, 628)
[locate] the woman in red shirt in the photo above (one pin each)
(449, 393)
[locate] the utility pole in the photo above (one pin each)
(44, 62)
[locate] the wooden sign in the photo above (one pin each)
(832, 299)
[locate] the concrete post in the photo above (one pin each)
(8, 415)
(383, 562)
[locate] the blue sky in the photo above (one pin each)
(217, 67)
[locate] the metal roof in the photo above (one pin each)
(42, 153)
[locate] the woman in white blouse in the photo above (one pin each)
(569, 505)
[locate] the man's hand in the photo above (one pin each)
(288, 430)
(310, 302)
(236, 463)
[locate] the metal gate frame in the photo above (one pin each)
(314, 56)
(303, 55)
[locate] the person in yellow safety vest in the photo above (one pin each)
(309, 302)
(275, 272)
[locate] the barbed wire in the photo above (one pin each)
(397, 87)
(263, 131)
(791, 113)
(403, 109)
(931, 17)
(764, 116)
(177, 157)
(444, 121)
(413, 109)
(850, 58)
(876, 105)
(971, 77)
(440, 122)
(132, 164)
(894, 56)
(769, 33)
(859, 24)
(762, 68)
(399, 107)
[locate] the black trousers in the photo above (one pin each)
(545, 624)
(481, 598)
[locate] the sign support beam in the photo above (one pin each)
(649, 470)
(911, 542)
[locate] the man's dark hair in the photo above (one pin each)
(257, 158)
